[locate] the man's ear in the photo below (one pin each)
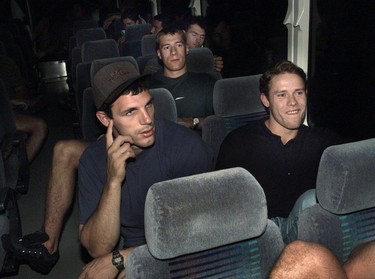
(187, 49)
(158, 54)
(264, 100)
(103, 117)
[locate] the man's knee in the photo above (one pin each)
(69, 151)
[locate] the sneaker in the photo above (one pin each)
(30, 250)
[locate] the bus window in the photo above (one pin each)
(342, 69)
(250, 35)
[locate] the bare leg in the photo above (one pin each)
(304, 260)
(36, 129)
(60, 191)
(360, 265)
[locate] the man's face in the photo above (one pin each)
(157, 25)
(286, 103)
(195, 36)
(133, 115)
(172, 52)
(128, 21)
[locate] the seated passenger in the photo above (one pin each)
(24, 106)
(116, 172)
(192, 91)
(116, 23)
(281, 153)
(304, 260)
(157, 24)
(196, 36)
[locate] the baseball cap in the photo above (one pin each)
(111, 80)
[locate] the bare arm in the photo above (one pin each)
(101, 232)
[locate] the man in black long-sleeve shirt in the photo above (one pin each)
(281, 153)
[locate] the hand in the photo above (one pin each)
(100, 267)
(20, 103)
(118, 151)
(218, 63)
(121, 41)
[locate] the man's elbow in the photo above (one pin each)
(93, 247)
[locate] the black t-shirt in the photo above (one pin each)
(177, 152)
(283, 171)
(193, 92)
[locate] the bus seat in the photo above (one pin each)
(201, 60)
(135, 32)
(91, 127)
(99, 49)
(84, 24)
(82, 82)
(14, 179)
(12, 145)
(148, 44)
(90, 34)
(344, 216)
(82, 36)
(207, 225)
(164, 103)
(90, 51)
(236, 102)
(149, 64)
(132, 46)
(76, 58)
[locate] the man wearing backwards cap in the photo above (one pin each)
(116, 172)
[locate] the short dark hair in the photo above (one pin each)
(130, 13)
(198, 20)
(169, 30)
(284, 66)
(134, 89)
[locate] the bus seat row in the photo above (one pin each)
(215, 224)
(236, 102)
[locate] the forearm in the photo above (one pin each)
(101, 232)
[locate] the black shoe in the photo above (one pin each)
(30, 250)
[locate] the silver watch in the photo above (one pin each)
(196, 122)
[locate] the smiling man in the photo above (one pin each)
(192, 91)
(116, 172)
(281, 153)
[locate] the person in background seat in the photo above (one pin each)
(196, 35)
(193, 92)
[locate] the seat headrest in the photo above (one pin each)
(99, 49)
(164, 103)
(90, 34)
(137, 31)
(346, 177)
(237, 96)
(148, 44)
(200, 60)
(199, 212)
